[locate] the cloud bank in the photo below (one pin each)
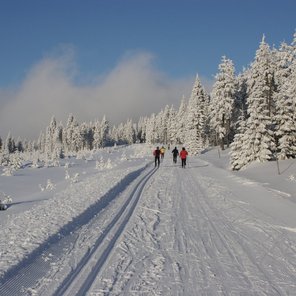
(134, 88)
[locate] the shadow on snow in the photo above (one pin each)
(69, 228)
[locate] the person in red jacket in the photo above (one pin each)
(183, 156)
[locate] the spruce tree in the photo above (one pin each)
(195, 122)
(68, 134)
(105, 127)
(151, 129)
(222, 101)
(180, 122)
(129, 132)
(286, 117)
(258, 139)
(172, 126)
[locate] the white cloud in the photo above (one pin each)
(134, 88)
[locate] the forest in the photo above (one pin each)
(253, 113)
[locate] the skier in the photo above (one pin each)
(162, 151)
(175, 154)
(156, 154)
(183, 155)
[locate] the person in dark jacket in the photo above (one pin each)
(175, 154)
(183, 156)
(156, 154)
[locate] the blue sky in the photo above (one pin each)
(174, 40)
(185, 36)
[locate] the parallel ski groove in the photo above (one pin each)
(26, 274)
(125, 213)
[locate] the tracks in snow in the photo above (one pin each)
(191, 238)
(60, 256)
(81, 279)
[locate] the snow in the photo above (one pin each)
(126, 228)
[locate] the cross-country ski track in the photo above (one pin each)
(170, 231)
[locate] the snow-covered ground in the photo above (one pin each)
(126, 228)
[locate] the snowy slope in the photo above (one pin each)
(203, 230)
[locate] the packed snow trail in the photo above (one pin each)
(50, 256)
(92, 262)
(193, 235)
(172, 231)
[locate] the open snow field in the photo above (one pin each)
(126, 228)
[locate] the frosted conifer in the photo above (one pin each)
(259, 142)
(195, 122)
(222, 101)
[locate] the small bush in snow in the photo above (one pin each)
(67, 175)
(49, 186)
(108, 164)
(101, 164)
(75, 178)
(123, 156)
(36, 163)
(8, 171)
(13, 162)
(4, 201)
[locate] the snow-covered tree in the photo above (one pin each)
(163, 125)
(41, 143)
(180, 122)
(141, 135)
(129, 132)
(172, 126)
(77, 139)
(258, 139)
(151, 130)
(97, 135)
(68, 138)
(105, 127)
(19, 145)
(9, 145)
(222, 101)
(286, 117)
(195, 119)
(237, 153)
(240, 101)
(50, 137)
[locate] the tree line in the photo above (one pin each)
(252, 112)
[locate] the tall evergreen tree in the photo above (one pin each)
(240, 101)
(19, 145)
(9, 145)
(97, 135)
(141, 136)
(259, 142)
(195, 123)
(68, 138)
(129, 132)
(151, 135)
(50, 136)
(41, 143)
(180, 122)
(238, 153)
(222, 101)
(172, 126)
(163, 127)
(286, 117)
(105, 128)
